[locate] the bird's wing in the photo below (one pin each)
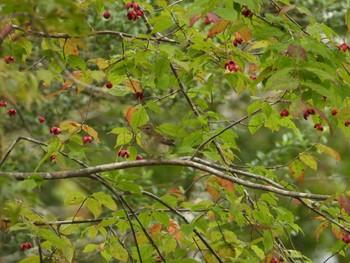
(168, 141)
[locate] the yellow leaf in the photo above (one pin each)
(309, 160)
(92, 132)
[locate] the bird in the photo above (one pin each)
(153, 142)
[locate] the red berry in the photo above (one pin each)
(284, 113)
(139, 95)
(109, 85)
(235, 42)
(128, 5)
(207, 20)
(25, 245)
(343, 47)
(334, 112)
(139, 12)
(53, 157)
(311, 111)
(3, 103)
(9, 59)
(11, 112)
(253, 77)
(346, 239)
(347, 123)
(318, 126)
(41, 119)
(231, 66)
(106, 14)
(124, 154)
(246, 12)
(139, 157)
(55, 130)
(87, 139)
(274, 260)
(239, 40)
(135, 6)
(132, 15)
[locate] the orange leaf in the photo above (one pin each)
(130, 111)
(218, 27)
(244, 33)
(338, 232)
(155, 229)
(212, 188)
(252, 68)
(297, 170)
(174, 228)
(133, 85)
(320, 229)
(329, 151)
(70, 46)
(214, 183)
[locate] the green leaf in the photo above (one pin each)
(139, 118)
(105, 200)
(31, 259)
(256, 122)
(127, 186)
(255, 106)
(162, 218)
(90, 248)
(74, 198)
(94, 207)
(124, 136)
(282, 80)
(172, 130)
(259, 252)
(268, 241)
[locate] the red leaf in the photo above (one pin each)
(130, 111)
(218, 27)
(297, 52)
(344, 201)
(215, 183)
(213, 17)
(194, 19)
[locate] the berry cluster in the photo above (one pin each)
(87, 139)
(9, 59)
(344, 47)
(284, 113)
(238, 40)
(139, 157)
(246, 12)
(308, 112)
(136, 12)
(124, 154)
(55, 130)
(25, 245)
(3, 103)
(11, 112)
(231, 66)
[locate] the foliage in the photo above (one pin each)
(251, 94)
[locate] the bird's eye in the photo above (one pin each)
(147, 128)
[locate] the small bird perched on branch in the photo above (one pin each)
(153, 142)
